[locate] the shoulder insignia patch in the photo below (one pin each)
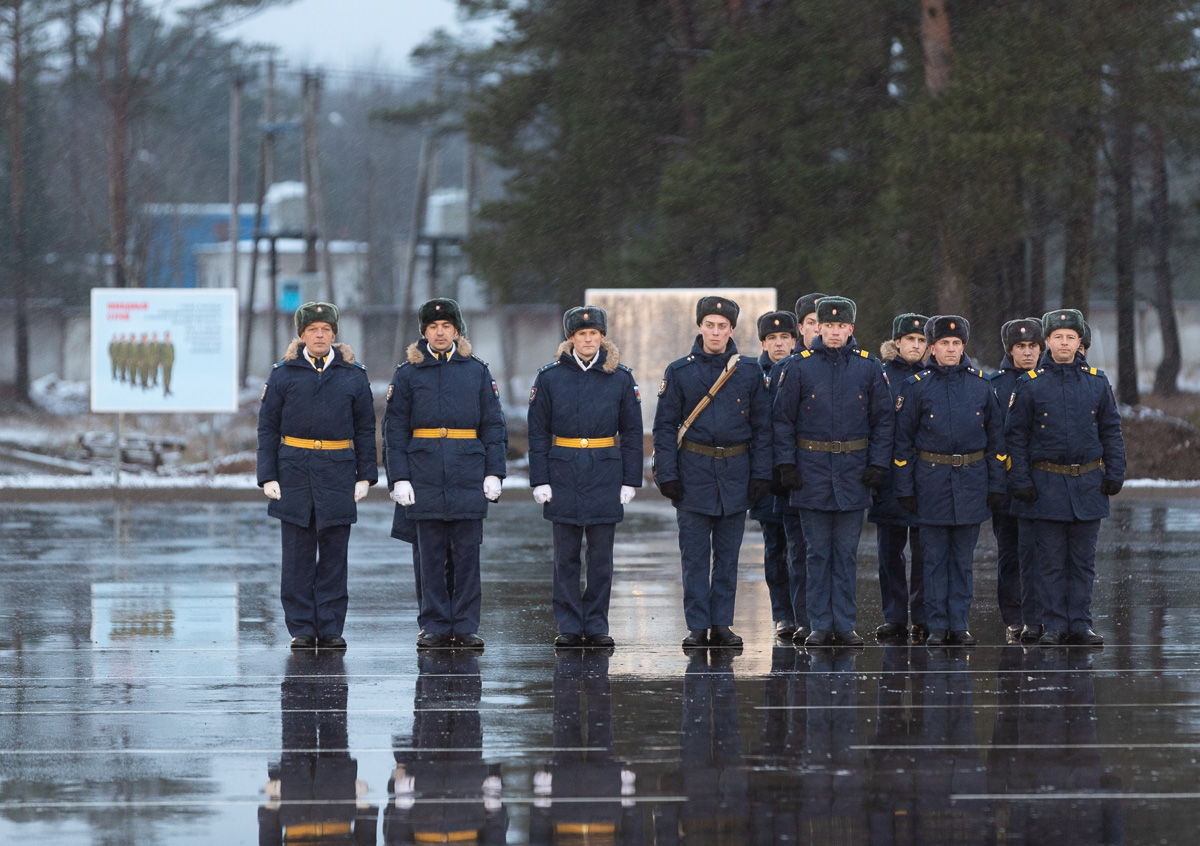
(899, 402)
(864, 353)
(360, 365)
(480, 360)
(495, 389)
(805, 353)
(264, 393)
(637, 393)
(532, 393)
(624, 367)
(1033, 374)
(662, 387)
(391, 390)
(273, 366)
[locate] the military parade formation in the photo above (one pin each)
(810, 438)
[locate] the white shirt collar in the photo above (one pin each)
(328, 357)
(583, 366)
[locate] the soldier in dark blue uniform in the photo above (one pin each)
(833, 426)
(1016, 554)
(445, 442)
(585, 462)
(316, 459)
(777, 332)
(1068, 458)
(903, 595)
(717, 470)
(949, 470)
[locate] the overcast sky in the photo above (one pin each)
(349, 33)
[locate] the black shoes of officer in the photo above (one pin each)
(304, 642)
(937, 637)
(850, 638)
(891, 631)
(801, 635)
(433, 640)
(331, 642)
(695, 639)
(962, 637)
(1031, 634)
(723, 636)
(468, 641)
(784, 629)
(1053, 638)
(568, 640)
(1012, 634)
(919, 632)
(1085, 638)
(599, 641)
(819, 637)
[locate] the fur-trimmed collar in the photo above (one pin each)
(415, 356)
(612, 355)
(293, 351)
(888, 350)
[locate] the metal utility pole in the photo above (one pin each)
(235, 147)
(307, 149)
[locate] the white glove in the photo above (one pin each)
(627, 494)
(360, 489)
(402, 492)
(491, 487)
(271, 489)
(542, 494)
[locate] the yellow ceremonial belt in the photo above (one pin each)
(458, 434)
(446, 837)
(585, 443)
(315, 831)
(288, 440)
(585, 828)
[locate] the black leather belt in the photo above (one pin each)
(836, 447)
(715, 452)
(952, 460)
(1068, 469)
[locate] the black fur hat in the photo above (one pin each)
(441, 308)
(806, 305)
(1063, 318)
(722, 306)
(836, 310)
(1086, 337)
(1022, 329)
(777, 321)
(585, 317)
(907, 324)
(947, 326)
(314, 312)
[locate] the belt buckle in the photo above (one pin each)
(719, 452)
(1075, 469)
(956, 460)
(583, 442)
(442, 432)
(836, 447)
(316, 444)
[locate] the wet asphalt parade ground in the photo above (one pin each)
(148, 696)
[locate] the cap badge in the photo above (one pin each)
(585, 314)
(951, 324)
(718, 305)
(319, 309)
(776, 321)
(835, 311)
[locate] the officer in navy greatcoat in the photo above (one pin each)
(316, 459)
(949, 470)
(902, 592)
(445, 443)
(585, 463)
(1068, 458)
(720, 468)
(777, 332)
(1017, 572)
(833, 426)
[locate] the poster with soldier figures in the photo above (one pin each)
(166, 349)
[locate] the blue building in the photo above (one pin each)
(177, 229)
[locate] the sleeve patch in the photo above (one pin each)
(264, 393)
(662, 387)
(637, 393)
(532, 394)
(899, 463)
(900, 402)
(391, 390)
(1012, 398)
(495, 389)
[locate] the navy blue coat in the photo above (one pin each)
(1004, 382)
(570, 402)
(1066, 414)
(457, 392)
(885, 510)
(951, 411)
(825, 394)
(740, 413)
(333, 405)
(770, 507)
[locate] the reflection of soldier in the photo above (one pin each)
(833, 771)
(442, 791)
(775, 789)
(313, 794)
(583, 795)
(166, 356)
(712, 773)
(114, 354)
(891, 786)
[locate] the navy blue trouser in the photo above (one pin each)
(1067, 553)
(831, 543)
(583, 613)
(949, 553)
(442, 610)
(901, 596)
(709, 548)
(1018, 588)
(797, 565)
(775, 570)
(312, 585)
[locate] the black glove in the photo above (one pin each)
(1110, 487)
(997, 501)
(672, 490)
(872, 477)
(758, 489)
(1025, 494)
(777, 487)
(908, 503)
(789, 477)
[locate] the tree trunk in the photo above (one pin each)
(935, 43)
(1080, 214)
(120, 101)
(1036, 306)
(683, 24)
(1127, 387)
(1167, 375)
(17, 205)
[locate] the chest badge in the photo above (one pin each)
(1012, 398)
(899, 402)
